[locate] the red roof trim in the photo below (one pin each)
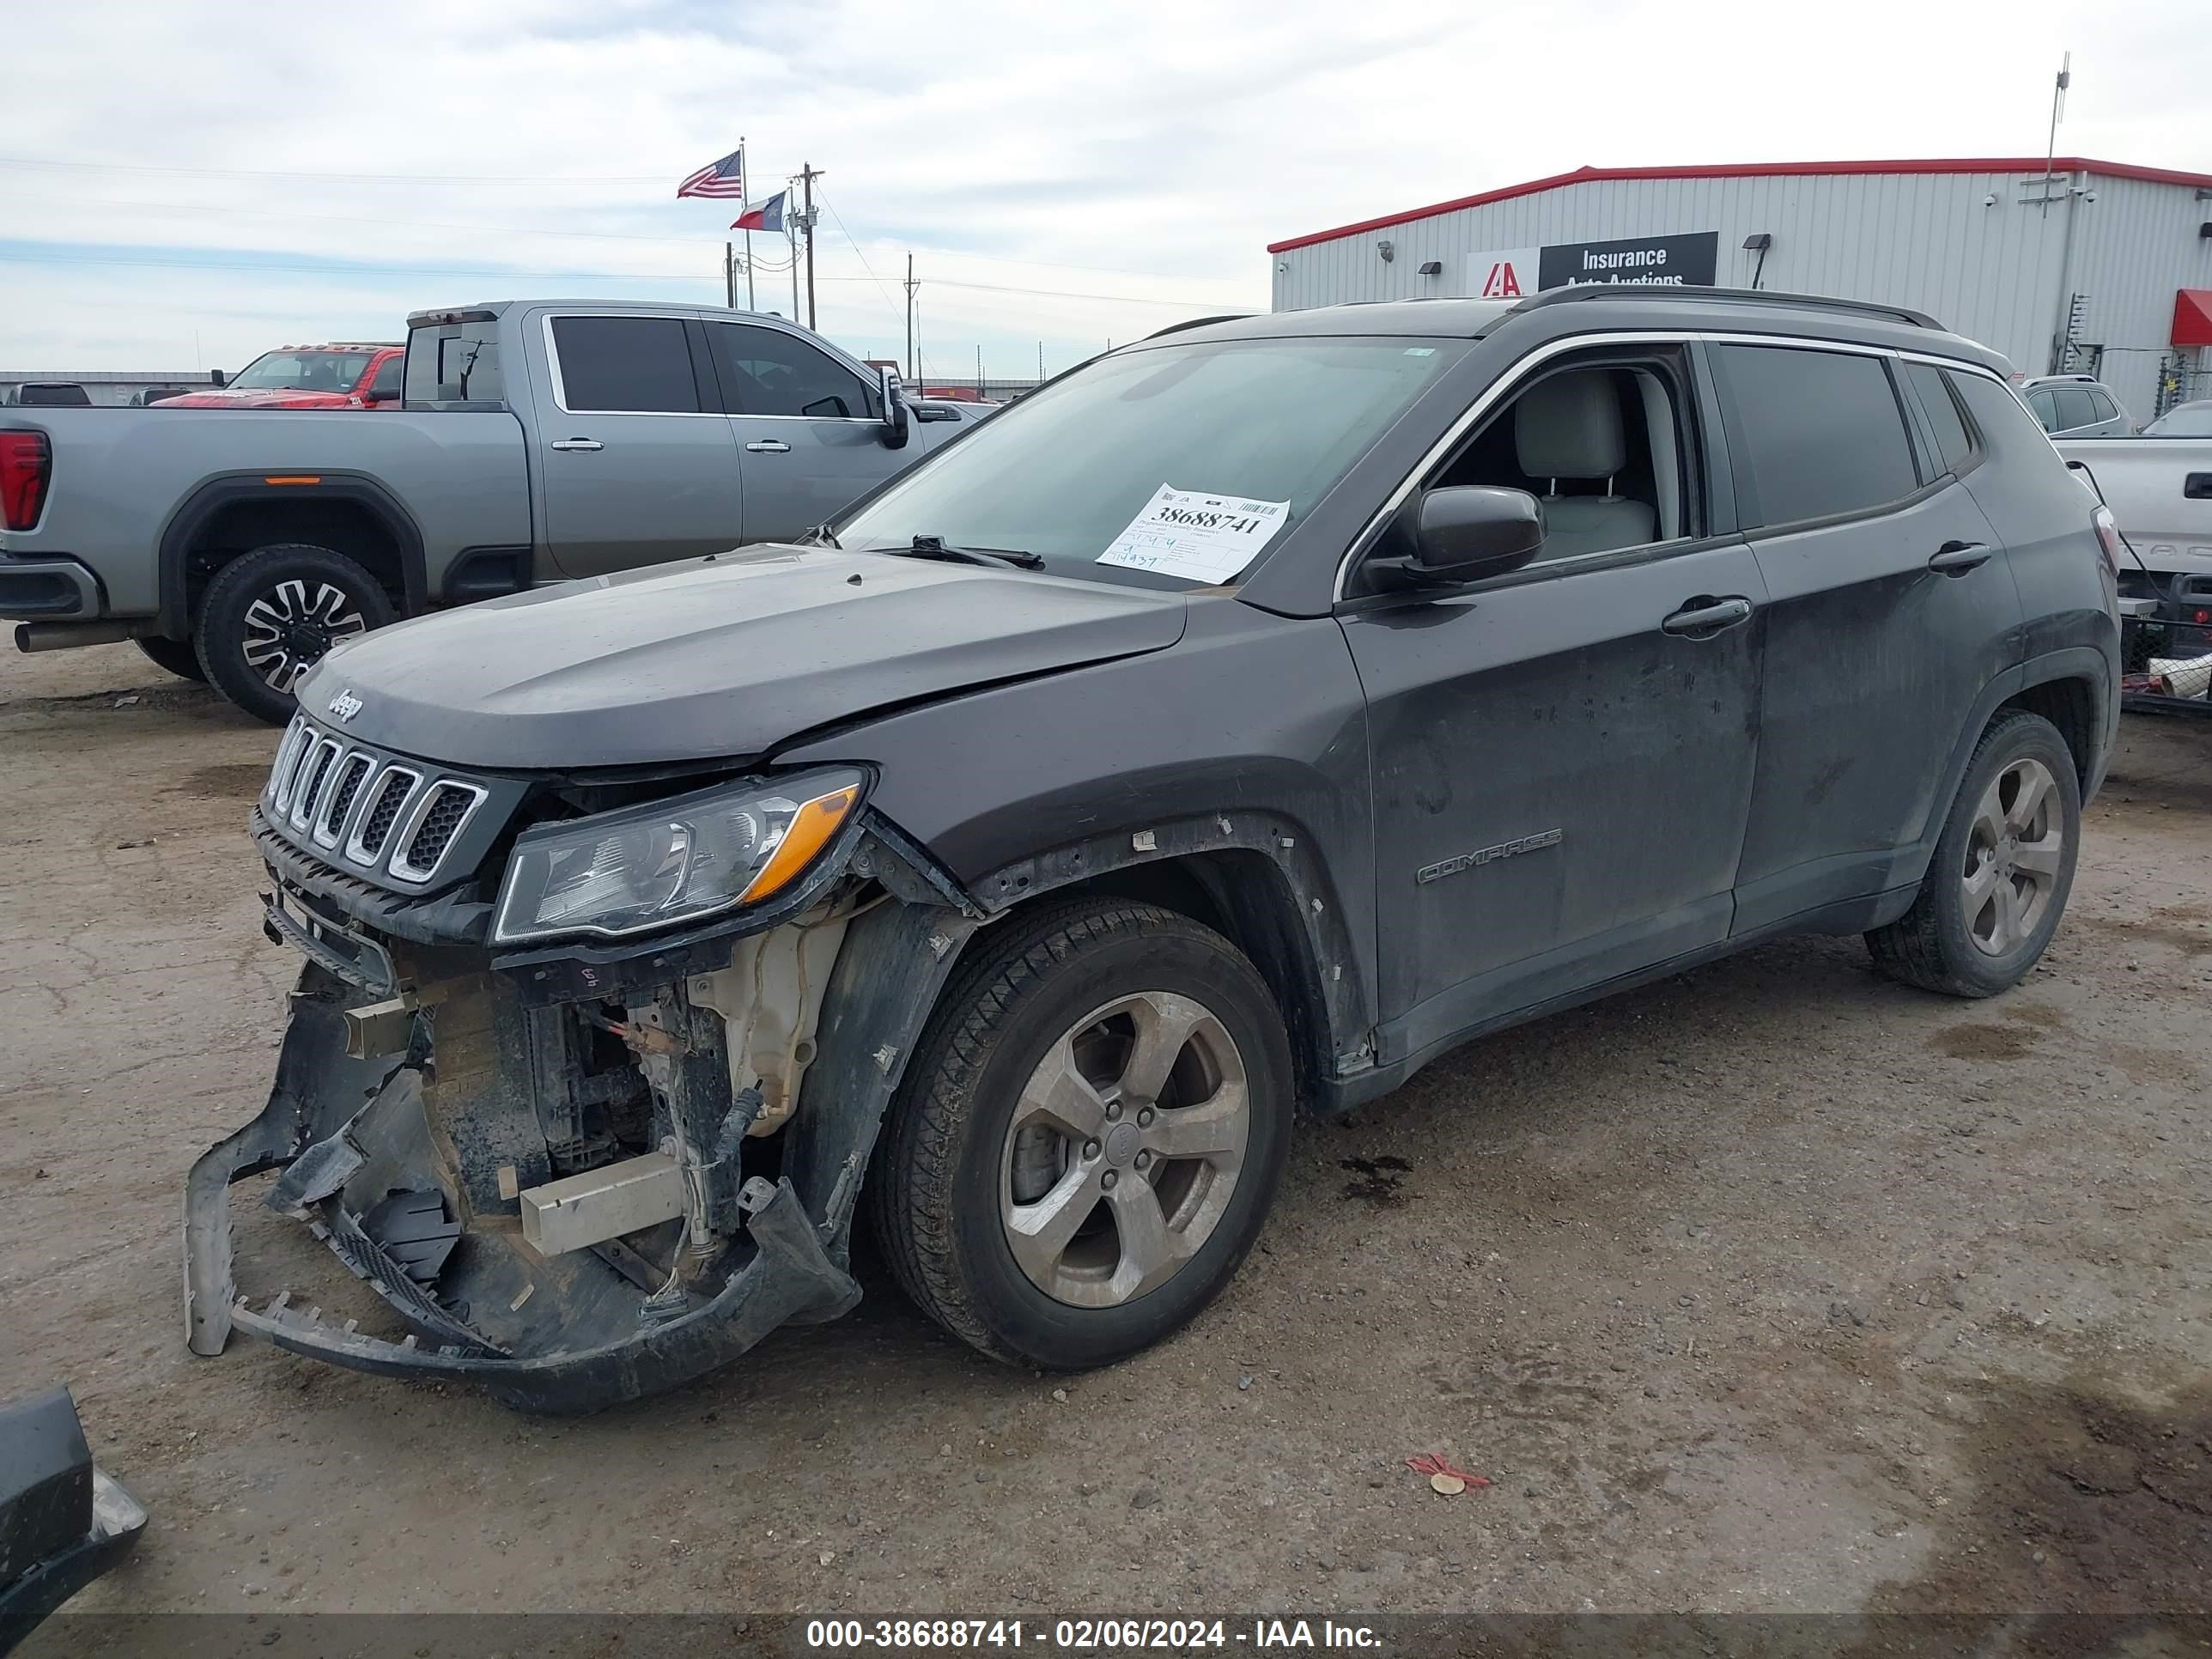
(1755, 170)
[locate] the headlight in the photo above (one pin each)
(674, 860)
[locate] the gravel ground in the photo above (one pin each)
(1772, 1287)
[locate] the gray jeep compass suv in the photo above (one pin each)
(1230, 728)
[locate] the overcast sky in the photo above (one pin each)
(182, 186)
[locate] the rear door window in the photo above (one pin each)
(1818, 433)
(2104, 407)
(455, 363)
(2075, 410)
(1952, 442)
(625, 366)
(766, 372)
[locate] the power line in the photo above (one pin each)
(343, 218)
(324, 178)
(838, 219)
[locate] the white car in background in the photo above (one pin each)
(2075, 406)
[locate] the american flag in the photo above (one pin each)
(724, 177)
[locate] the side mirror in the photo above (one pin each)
(216, 377)
(1462, 534)
(893, 399)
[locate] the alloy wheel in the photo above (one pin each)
(1124, 1148)
(2015, 849)
(290, 626)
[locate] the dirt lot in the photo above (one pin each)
(1774, 1286)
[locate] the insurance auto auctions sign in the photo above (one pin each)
(1509, 273)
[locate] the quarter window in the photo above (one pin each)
(625, 365)
(2045, 406)
(766, 372)
(1941, 409)
(1817, 433)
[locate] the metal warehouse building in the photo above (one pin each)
(2068, 266)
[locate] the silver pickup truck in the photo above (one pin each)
(539, 441)
(2158, 486)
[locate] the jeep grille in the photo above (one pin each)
(362, 810)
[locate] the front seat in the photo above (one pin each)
(1568, 426)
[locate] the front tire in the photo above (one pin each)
(180, 657)
(270, 615)
(1089, 1136)
(2003, 867)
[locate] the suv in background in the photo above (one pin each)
(2076, 406)
(345, 376)
(1232, 726)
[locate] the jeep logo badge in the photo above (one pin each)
(345, 706)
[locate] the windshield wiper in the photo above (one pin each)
(936, 547)
(818, 536)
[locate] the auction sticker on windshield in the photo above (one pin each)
(1187, 533)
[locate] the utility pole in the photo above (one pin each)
(807, 175)
(2057, 111)
(979, 371)
(791, 236)
(1040, 362)
(910, 286)
(750, 304)
(729, 276)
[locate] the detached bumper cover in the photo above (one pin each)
(585, 1329)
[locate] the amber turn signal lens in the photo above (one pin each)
(810, 832)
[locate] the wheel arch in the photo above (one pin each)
(350, 513)
(2072, 688)
(1251, 878)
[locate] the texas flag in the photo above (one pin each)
(768, 216)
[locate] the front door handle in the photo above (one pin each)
(1957, 558)
(573, 444)
(1704, 616)
(2197, 487)
(768, 446)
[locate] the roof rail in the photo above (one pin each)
(1760, 296)
(1201, 322)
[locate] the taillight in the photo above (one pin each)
(24, 463)
(2108, 539)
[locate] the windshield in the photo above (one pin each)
(300, 371)
(2186, 420)
(1064, 472)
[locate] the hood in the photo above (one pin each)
(273, 397)
(726, 657)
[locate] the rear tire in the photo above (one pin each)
(1089, 1136)
(1997, 884)
(180, 657)
(270, 615)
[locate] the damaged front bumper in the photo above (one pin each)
(435, 1169)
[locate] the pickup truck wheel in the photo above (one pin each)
(1997, 885)
(180, 657)
(269, 616)
(1089, 1136)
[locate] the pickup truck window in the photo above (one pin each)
(456, 364)
(386, 384)
(300, 371)
(623, 366)
(1065, 471)
(766, 372)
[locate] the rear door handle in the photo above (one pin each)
(768, 446)
(573, 444)
(1704, 616)
(1957, 558)
(2197, 487)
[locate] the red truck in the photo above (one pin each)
(342, 376)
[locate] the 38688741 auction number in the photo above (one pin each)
(896, 1634)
